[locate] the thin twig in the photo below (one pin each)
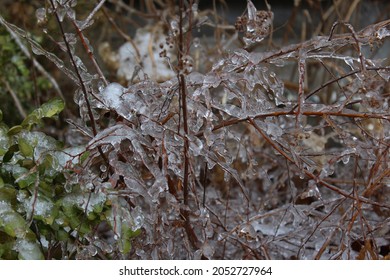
(183, 98)
(89, 52)
(14, 96)
(91, 15)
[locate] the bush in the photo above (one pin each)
(225, 161)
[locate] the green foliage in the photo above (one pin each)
(36, 210)
(15, 71)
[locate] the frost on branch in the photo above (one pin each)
(275, 161)
(235, 150)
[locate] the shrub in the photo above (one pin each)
(229, 161)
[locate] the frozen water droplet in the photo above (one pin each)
(37, 50)
(174, 27)
(226, 176)
(138, 218)
(194, 8)
(61, 12)
(385, 74)
(346, 159)
(248, 232)
(196, 42)
(71, 14)
(41, 16)
(68, 188)
(92, 250)
(327, 170)
(100, 86)
(103, 168)
(80, 63)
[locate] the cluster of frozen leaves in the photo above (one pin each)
(270, 170)
(274, 172)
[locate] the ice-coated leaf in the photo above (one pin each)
(125, 224)
(4, 140)
(28, 250)
(88, 202)
(22, 176)
(158, 187)
(73, 155)
(116, 134)
(15, 130)
(47, 110)
(52, 107)
(25, 147)
(113, 135)
(11, 222)
(152, 128)
(196, 145)
(7, 194)
(42, 208)
(36, 144)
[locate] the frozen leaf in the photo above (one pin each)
(25, 148)
(208, 250)
(138, 218)
(47, 110)
(196, 146)
(42, 208)
(170, 247)
(385, 74)
(122, 223)
(88, 202)
(28, 250)
(211, 80)
(382, 33)
(273, 129)
(256, 25)
(11, 222)
(73, 155)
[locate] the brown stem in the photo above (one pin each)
(183, 98)
(310, 174)
(89, 52)
(82, 85)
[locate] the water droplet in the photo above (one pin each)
(103, 168)
(174, 27)
(194, 8)
(41, 16)
(196, 42)
(100, 86)
(188, 64)
(345, 159)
